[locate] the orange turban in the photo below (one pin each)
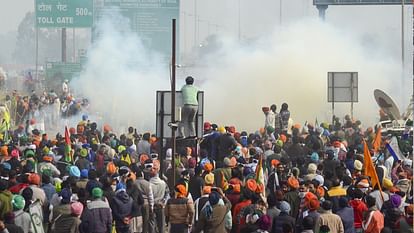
(251, 185)
(34, 179)
(181, 190)
(208, 167)
(293, 182)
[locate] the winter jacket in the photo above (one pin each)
(292, 197)
(13, 228)
(143, 187)
(97, 218)
(121, 206)
(39, 194)
(66, 223)
(374, 222)
(23, 220)
(49, 190)
(347, 217)
(333, 221)
(282, 219)
(225, 145)
(82, 163)
(216, 222)
(5, 203)
(160, 190)
(359, 208)
(179, 211)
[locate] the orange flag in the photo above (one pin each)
(369, 168)
(376, 145)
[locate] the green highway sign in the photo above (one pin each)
(64, 13)
(61, 71)
(150, 19)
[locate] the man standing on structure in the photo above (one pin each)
(189, 110)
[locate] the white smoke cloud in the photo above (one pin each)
(288, 65)
(121, 77)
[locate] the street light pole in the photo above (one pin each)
(239, 23)
(173, 67)
(195, 24)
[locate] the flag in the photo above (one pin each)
(394, 149)
(260, 178)
(369, 169)
(376, 144)
(259, 170)
(68, 157)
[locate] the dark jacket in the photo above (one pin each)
(97, 218)
(122, 205)
(292, 197)
(12, 228)
(83, 163)
(347, 217)
(279, 221)
(226, 144)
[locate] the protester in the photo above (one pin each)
(179, 211)
(282, 178)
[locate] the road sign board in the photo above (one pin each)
(61, 71)
(342, 87)
(151, 20)
(64, 13)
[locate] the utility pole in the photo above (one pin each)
(173, 66)
(195, 24)
(239, 23)
(63, 44)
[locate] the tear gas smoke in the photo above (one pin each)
(121, 77)
(289, 65)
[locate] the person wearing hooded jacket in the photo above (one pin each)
(97, 207)
(161, 194)
(214, 215)
(121, 206)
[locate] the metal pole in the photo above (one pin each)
(195, 24)
(162, 150)
(402, 34)
(352, 96)
(239, 23)
(280, 12)
(63, 44)
(173, 98)
(74, 49)
(333, 99)
(37, 51)
(413, 65)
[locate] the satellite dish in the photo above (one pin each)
(387, 104)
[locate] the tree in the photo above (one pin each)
(25, 50)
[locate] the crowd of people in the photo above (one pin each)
(43, 111)
(284, 178)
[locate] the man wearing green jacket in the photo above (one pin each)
(189, 110)
(5, 199)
